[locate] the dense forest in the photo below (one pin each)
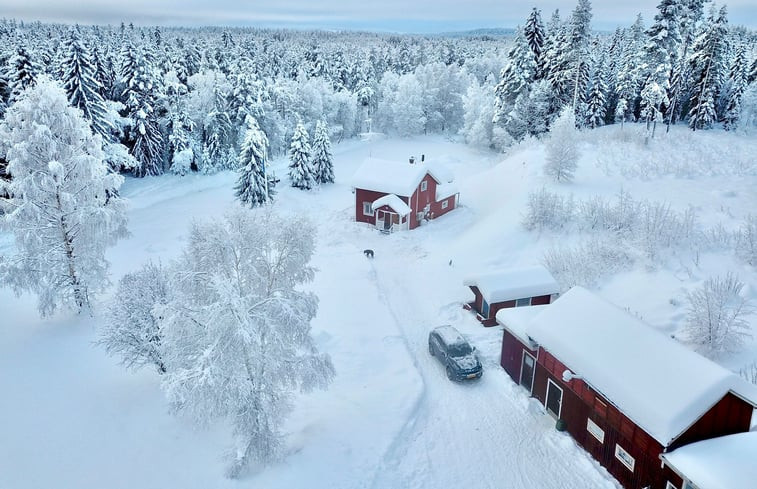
(179, 99)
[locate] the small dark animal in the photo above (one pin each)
(368, 253)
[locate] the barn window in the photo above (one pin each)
(485, 309)
(595, 430)
(523, 302)
(445, 204)
(367, 209)
(624, 457)
(424, 185)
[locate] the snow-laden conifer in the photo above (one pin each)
(63, 205)
(562, 147)
(255, 186)
(323, 164)
(236, 333)
(82, 87)
(300, 166)
(706, 65)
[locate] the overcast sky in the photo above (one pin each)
(421, 16)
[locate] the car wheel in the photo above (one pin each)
(430, 349)
(450, 376)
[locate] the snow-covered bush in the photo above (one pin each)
(587, 263)
(131, 330)
(548, 210)
(746, 240)
(715, 321)
(562, 147)
(236, 330)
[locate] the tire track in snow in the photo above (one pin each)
(418, 412)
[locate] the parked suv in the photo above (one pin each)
(459, 358)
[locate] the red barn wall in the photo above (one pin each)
(580, 403)
(362, 195)
(728, 416)
(511, 357)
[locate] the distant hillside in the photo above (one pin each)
(492, 32)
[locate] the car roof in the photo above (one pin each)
(450, 335)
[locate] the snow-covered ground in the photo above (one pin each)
(72, 417)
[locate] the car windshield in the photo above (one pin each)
(459, 350)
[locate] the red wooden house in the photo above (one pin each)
(394, 196)
(626, 393)
(510, 288)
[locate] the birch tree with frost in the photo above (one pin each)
(62, 201)
(236, 333)
(562, 148)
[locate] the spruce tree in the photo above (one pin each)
(597, 102)
(300, 168)
(706, 67)
(515, 78)
(22, 72)
(323, 166)
(255, 186)
(534, 34)
(82, 87)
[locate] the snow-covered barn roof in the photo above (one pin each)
(391, 177)
(397, 204)
(517, 319)
(517, 283)
(658, 383)
(444, 190)
(719, 463)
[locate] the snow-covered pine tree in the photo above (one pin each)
(255, 186)
(597, 102)
(82, 87)
(653, 97)
(131, 330)
(236, 333)
(323, 164)
(300, 167)
(62, 204)
(736, 83)
(580, 36)
(706, 65)
(218, 149)
(515, 78)
(534, 34)
(628, 84)
(22, 72)
(663, 43)
(562, 147)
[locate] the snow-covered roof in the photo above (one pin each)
(517, 319)
(725, 462)
(450, 335)
(400, 178)
(392, 201)
(517, 283)
(658, 383)
(444, 190)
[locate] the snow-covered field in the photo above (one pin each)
(72, 417)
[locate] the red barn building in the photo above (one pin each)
(493, 291)
(393, 196)
(626, 393)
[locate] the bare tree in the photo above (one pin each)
(715, 321)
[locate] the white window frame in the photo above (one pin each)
(369, 207)
(518, 304)
(424, 186)
(620, 453)
(546, 397)
(595, 431)
(670, 485)
(445, 204)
